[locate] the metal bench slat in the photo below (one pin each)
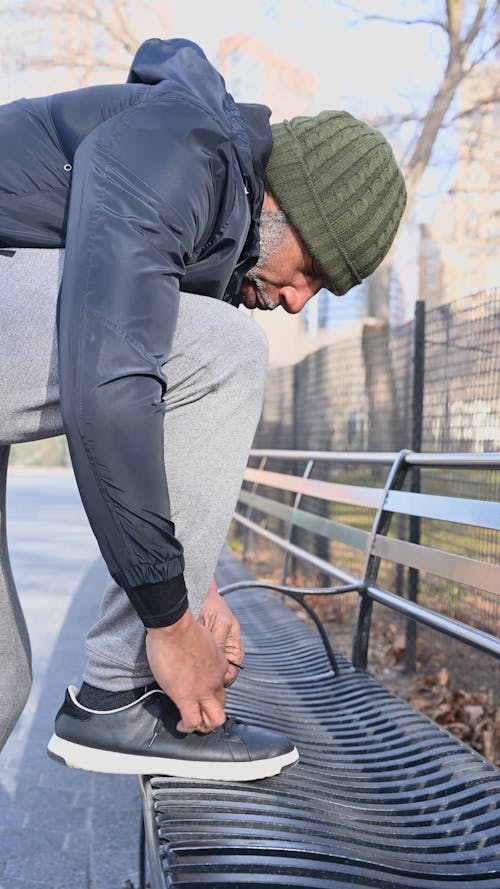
(338, 531)
(360, 457)
(352, 495)
(450, 626)
(376, 458)
(481, 513)
(266, 505)
(462, 569)
(299, 518)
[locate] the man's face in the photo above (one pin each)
(285, 274)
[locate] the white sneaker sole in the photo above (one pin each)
(91, 760)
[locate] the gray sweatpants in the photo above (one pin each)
(216, 375)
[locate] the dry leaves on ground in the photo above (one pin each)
(472, 718)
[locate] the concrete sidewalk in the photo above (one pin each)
(59, 829)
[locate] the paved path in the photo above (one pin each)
(59, 829)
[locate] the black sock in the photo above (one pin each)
(102, 699)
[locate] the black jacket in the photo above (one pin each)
(150, 186)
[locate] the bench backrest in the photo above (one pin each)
(380, 544)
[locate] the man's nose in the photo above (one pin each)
(293, 300)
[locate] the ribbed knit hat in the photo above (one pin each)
(338, 183)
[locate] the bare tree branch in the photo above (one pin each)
(419, 151)
(454, 13)
(391, 121)
(124, 39)
(121, 19)
(373, 17)
(482, 57)
(476, 24)
(494, 99)
(93, 13)
(24, 61)
(456, 70)
(396, 119)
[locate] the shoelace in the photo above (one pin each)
(226, 729)
(229, 725)
(156, 731)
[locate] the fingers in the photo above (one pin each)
(203, 717)
(191, 718)
(217, 617)
(226, 632)
(230, 675)
(213, 715)
(221, 632)
(233, 648)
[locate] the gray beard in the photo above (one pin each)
(266, 299)
(273, 225)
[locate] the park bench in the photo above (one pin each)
(382, 796)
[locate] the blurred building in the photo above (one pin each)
(53, 46)
(254, 73)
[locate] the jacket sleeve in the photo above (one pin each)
(142, 203)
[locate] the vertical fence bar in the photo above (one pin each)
(416, 445)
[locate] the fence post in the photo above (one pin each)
(416, 445)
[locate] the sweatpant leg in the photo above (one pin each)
(216, 376)
(28, 410)
(29, 385)
(15, 651)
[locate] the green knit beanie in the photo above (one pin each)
(338, 183)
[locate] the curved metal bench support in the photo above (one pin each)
(297, 594)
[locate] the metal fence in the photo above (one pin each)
(431, 385)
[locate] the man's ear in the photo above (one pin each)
(270, 204)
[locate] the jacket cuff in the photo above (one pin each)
(160, 604)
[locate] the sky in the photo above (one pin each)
(377, 62)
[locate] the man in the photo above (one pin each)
(156, 191)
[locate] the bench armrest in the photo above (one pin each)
(297, 594)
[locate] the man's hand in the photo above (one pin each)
(217, 617)
(190, 667)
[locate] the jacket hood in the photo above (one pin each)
(185, 66)
(184, 62)
(256, 118)
(157, 60)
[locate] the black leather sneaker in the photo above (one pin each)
(142, 739)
